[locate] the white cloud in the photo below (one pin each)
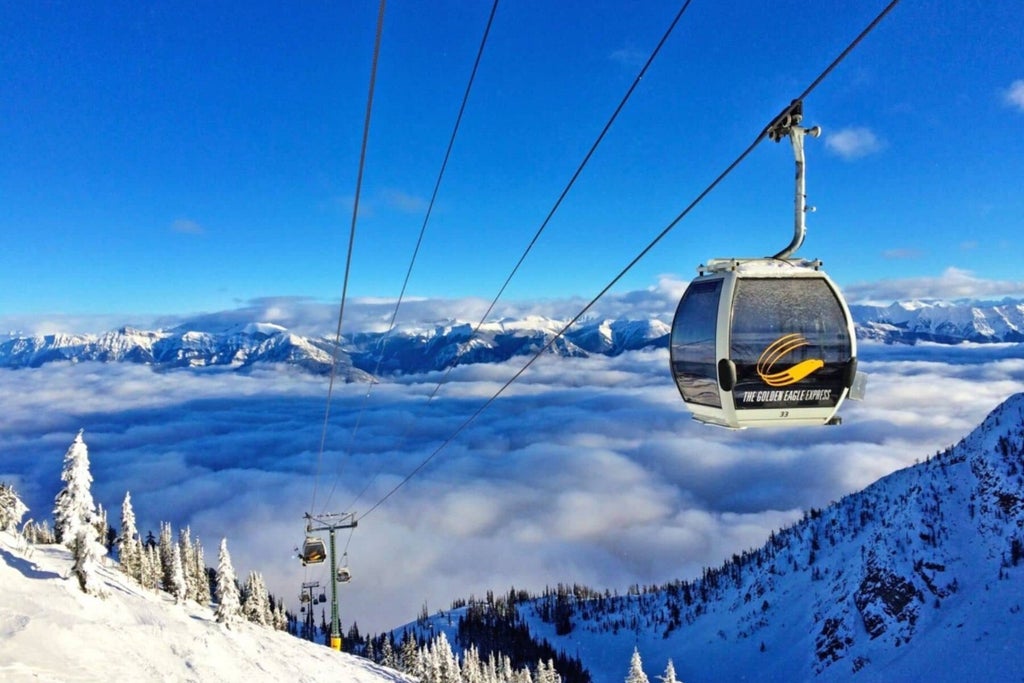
(902, 254)
(954, 283)
(629, 57)
(853, 142)
(188, 227)
(588, 470)
(404, 202)
(1014, 95)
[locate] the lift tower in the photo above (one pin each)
(331, 522)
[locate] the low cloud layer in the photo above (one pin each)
(586, 470)
(953, 283)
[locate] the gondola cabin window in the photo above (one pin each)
(693, 343)
(790, 343)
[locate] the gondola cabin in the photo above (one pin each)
(313, 551)
(763, 343)
(344, 575)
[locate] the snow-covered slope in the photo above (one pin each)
(920, 577)
(52, 631)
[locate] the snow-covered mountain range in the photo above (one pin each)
(408, 350)
(920, 577)
(436, 347)
(943, 322)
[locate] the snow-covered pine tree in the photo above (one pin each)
(153, 570)
(546, 672)
(490, 669)
(203, 596)
(255, 601)
(431, 663)
(636, 669)
(228, 605)
(87, 551)
(73, 506)
(129, 548)
(408, 656)
(100, 522)
(11, 508)
(387, 653)
(185, 550)
(165, 547)
(670, 674)
(277, 619)
(503, 667)
(472, 668)
(178, 587)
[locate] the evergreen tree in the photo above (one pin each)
(73, 506)
(255, 601)
(387, 653)
(11, 508)
(202, 596)
(38, 532)
(408, 656)
(444, 661)
(166, 546)
(129, 548)
(670, 674)
(546, 672)
(87, 551)
(636, 669)
(277, 619)
(177, 587)
(228, 606)
(100, 522)
(188, 564)
(153, 568)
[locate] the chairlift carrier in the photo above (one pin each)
(314, 551)
(344, 574)
(766, 342)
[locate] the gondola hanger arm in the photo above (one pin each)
(787, 124)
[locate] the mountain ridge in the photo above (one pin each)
(417, 348)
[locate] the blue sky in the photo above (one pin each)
(176, 160)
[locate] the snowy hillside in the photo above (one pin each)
(920, 577)
(51, 631)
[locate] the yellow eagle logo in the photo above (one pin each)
(778, 350)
